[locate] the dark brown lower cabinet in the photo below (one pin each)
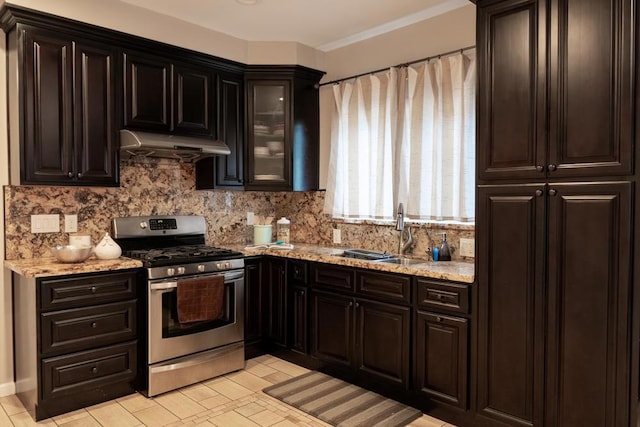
(298, 323)
(554, 284)
(253, 299)
(441, 357)
(276, 294)
(75, 340)
(371, 337)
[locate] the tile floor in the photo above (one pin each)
(232, 400)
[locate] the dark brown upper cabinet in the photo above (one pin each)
(147, 92)
(555, 89)
(226, 171)
(194, 101)
(63, 108)
(282, 128)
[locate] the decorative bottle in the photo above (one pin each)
(107, 248)
(444, 254)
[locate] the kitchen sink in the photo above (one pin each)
(401, 261)
(366, 254)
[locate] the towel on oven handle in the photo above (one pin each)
(200, 298)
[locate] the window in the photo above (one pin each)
(406, 135)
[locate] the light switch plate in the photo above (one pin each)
(45, 223)
(70, 223)
(468, 248)
(337, 236)
(250, 218)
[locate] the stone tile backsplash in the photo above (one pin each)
(166, 187)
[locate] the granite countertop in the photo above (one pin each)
(45, 267)
(450, 270)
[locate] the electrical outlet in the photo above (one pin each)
(70, 223)
(468, 248)
(337, 235)
(250, 218)
(45, 223)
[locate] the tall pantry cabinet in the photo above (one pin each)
(557, 338)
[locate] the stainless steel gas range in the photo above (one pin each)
(172, 248)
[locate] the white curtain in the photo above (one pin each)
(407, 135)
(437, 147)
(361, 157)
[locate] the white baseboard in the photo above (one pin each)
(7, 389)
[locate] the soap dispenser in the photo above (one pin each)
(444, 254)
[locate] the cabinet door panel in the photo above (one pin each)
(96, 144)
(442, 357)
(299, 297)
(48, 133)
(254, 294)
(147, 93)
(382, 345)
(589, 304)
(591, 125)
(511, 88)
(193, 102)
(277, 299)
(510, 263)
(332, 327)
(230, 169)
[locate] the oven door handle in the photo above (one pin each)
(163, 286)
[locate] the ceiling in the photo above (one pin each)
(324, 25)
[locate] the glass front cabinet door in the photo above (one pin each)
(269, 142)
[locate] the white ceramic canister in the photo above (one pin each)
(283, 227)
(107, 248)
(262, 234)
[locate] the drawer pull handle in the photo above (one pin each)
(93, 289)
(94, 325)
(94, 370)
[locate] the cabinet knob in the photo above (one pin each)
(539, 168)
(302, 293)
(79, 174)
(357, 304)
(94, 370)
(350, 303)
(70, 174)
(551, 168)
(439, 319)
(439, 296)
(93, 289)
(552, 192)
(538, 193)
(94, 325)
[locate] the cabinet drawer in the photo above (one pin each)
(298, 272)
(333, 277)
(87, 371)
(81, 291)
(444, 296)
(388, 286)
(84, 328)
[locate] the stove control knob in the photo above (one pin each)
(171, 271)
(227, 265)
(201, 268)
(143, 224)
(180, 270)
(219, 265)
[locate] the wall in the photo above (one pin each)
(443, 33)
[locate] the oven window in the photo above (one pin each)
(172, 328)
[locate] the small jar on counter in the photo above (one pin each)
(283, 233)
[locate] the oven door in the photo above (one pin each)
(169, 339)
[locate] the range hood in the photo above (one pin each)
(183, 148)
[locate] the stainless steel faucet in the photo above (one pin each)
(403, 245)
